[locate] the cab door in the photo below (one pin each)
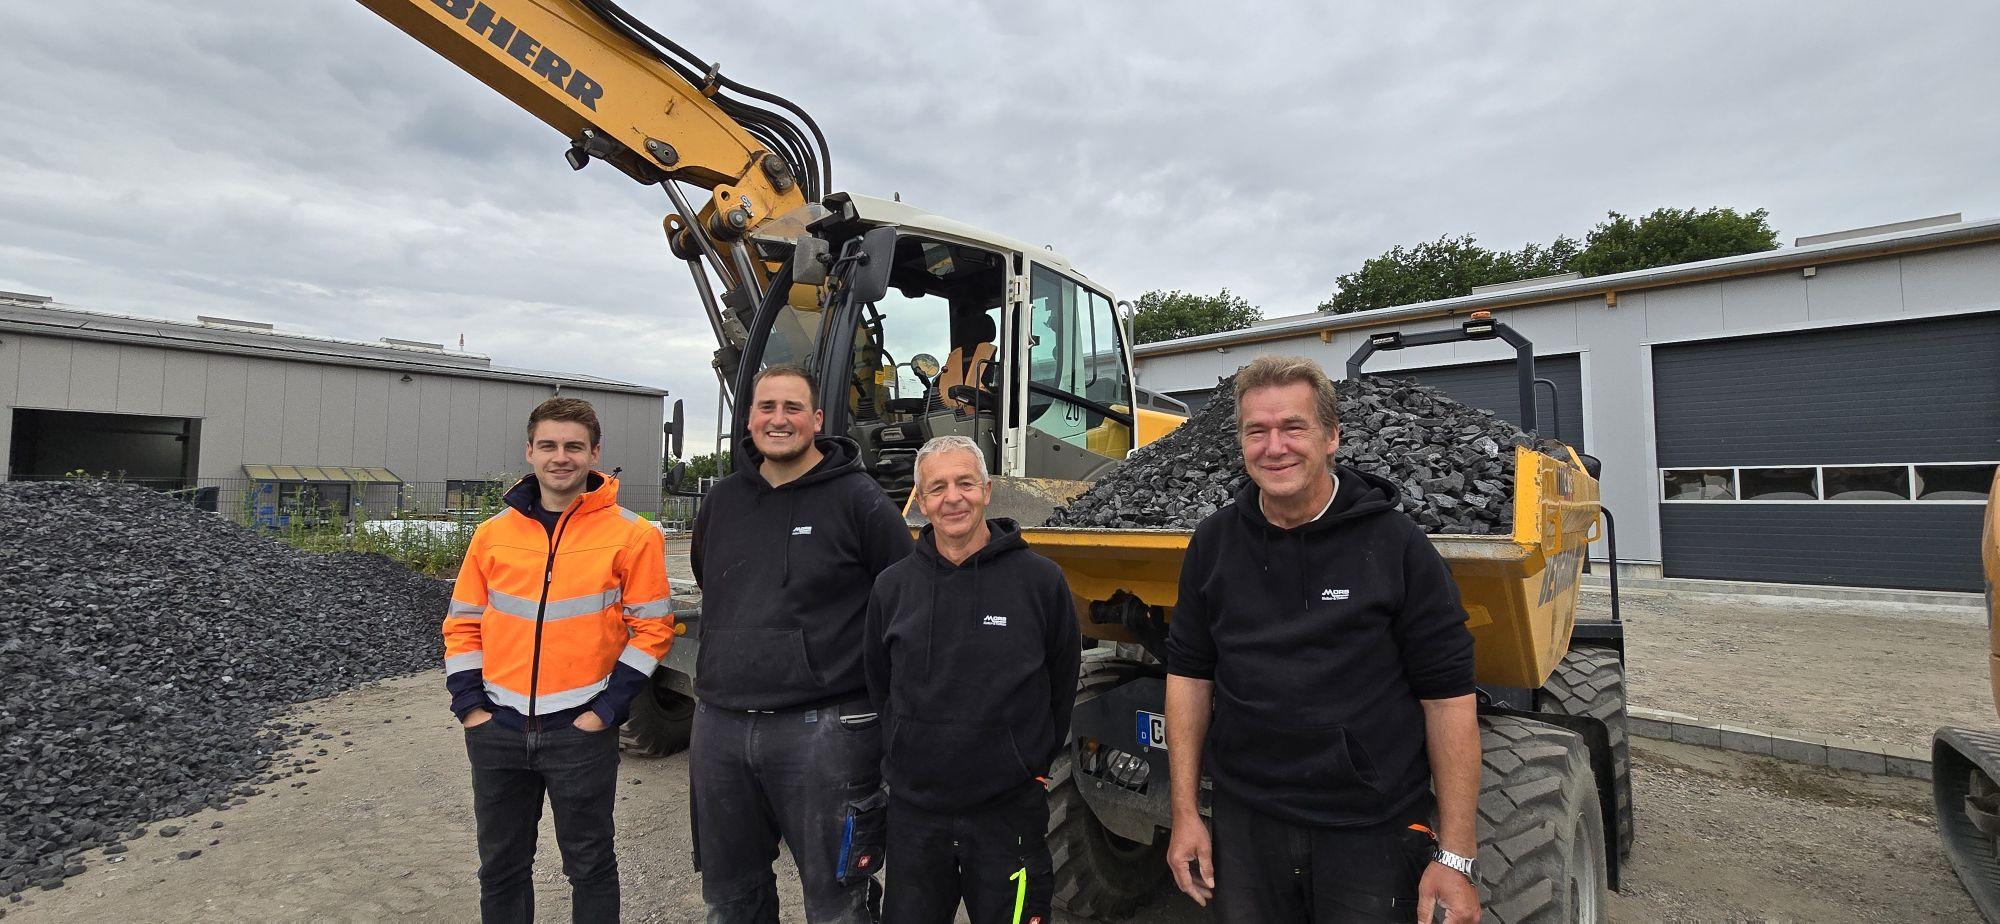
(1072, 382)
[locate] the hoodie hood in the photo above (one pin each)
(838, 456)
(1005, 536)
(1358, 494)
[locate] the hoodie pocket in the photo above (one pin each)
(1289, 756)
(946, 764)
(765, 662)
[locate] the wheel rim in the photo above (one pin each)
(1583, 865)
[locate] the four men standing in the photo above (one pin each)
(1319, 669)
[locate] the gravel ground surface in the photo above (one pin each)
(385, 830)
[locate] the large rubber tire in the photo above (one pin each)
(1541, 852)
(1098, 874)
(1591, 682)
(662, 722)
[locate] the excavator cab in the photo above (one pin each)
(1035, 366)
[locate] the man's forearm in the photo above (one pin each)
(1451, 738)
(1188, 704)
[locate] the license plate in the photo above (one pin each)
(1152, 730)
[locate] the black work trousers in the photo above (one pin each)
(1271, 871)
(801, 776)
(511, 773)
(996, 859)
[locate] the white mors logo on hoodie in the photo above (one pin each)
(1333, 593)
(992, 620)
(802, 530)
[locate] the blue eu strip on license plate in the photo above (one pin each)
(1152, 728)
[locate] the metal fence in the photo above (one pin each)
(294, 504)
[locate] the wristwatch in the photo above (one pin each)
(1466, 866)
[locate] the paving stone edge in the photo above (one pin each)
(1802, 747)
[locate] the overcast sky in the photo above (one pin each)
(307, 164)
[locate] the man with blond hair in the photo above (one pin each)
(972, 652)
(1319, 652)
(560, 614)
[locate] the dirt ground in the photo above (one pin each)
(384, 829)
(384, 832)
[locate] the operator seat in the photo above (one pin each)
(968, 361)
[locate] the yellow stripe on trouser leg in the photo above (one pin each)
(1020, 878)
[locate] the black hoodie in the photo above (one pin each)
(785, 574)
(975, 668)
(1321, 640)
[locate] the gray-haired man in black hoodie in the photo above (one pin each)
(1328, 636)
(973, 654)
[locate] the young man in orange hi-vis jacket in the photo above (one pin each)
(559, 616)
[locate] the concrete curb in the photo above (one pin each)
(1938, 598)
(1809, 748)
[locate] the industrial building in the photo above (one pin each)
(277, 423)
(1826, 413)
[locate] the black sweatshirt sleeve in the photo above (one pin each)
(1190, 648)
(875, 651)
(1430, 630)
(700, 533)
(1065, 654)
(885, 538)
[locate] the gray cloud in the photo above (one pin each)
(310, 165)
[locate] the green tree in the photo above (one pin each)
(1669, 236)
(1445, 268)
(708, 465)
(1163, 315)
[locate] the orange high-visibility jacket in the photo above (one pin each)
(542, 622)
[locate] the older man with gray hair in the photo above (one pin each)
(972, 655)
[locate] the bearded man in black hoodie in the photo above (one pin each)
(973, 654)
(1322, 638)
(787, 743)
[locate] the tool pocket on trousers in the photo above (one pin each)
(863, 833)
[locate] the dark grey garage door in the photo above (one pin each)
(1856, 456)
(1493, 386)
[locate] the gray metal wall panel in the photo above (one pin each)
(1868, 288)
(336, 417)
(371, 417)
(500, 429)
(1923, 547)
(184, 384)
(462, 447)
(263, 410)
(1768, 300)
(1492, 386)
(299, 440)
(1683, 311)
(1942, 280)
(1919, 391)
(142, 380)
(404, 423)
(433, 433)
(226, 391)
(93, 377)
(45, 373)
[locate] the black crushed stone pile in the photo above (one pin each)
(1454, 464)
(146, 647)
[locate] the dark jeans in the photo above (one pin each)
(1269, 871)
(760, 777)
(511, 772)
(996, 859)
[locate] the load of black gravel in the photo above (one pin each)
(1455, 464)
(146, 647)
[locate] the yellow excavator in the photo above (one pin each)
(1037, 367)
(1965, 762)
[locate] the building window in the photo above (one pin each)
(1868, 482)
(1699, 484)
(1779, 483)
(1919, 482)
(1955, 482)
